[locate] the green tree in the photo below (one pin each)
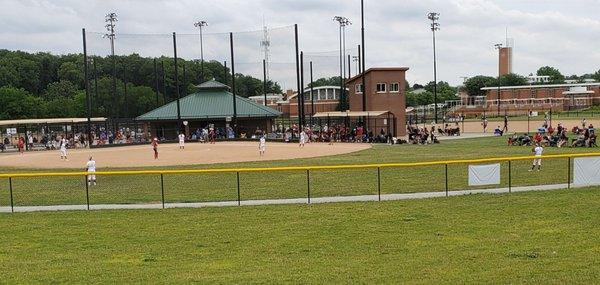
(513, 79)
(474, 84)
(17, 103)
(70, 71)
(327, 81)
(555, 76)
(60, 89)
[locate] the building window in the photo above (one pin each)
(358, 89)
(381, 88)
(395, 87)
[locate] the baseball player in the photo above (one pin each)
(262, 145)
(90, 167)
(63, 149)
(538, 150)
(155, 147)
(302, 138)
(181, 141)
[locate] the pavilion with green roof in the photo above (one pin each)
(211, 104)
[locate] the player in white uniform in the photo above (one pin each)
(181, 141)
(538, 150)
(63, 149)
(302, 138)
(90, 167)
(262, 145)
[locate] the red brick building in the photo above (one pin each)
(520, 99)
(386, 92)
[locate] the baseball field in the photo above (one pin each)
(541, 237)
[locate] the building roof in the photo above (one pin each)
(376, 69)
(540, 86)
(212, 85)
(55, 121)
(210, 103)
(351, 114)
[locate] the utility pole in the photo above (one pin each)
(435, 26)
(199, 25)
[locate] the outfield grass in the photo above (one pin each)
(536, 237)
(292, 184)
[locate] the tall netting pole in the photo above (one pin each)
(312, 95)
(87, 90)
(298, 73)
(301, 92)
(176, 82)
(364, 66)
(233, 84)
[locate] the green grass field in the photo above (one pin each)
(537, 237)
(292, 184)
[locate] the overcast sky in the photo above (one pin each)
(564, 34)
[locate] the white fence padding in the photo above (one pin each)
(586, 171)
(480, 175)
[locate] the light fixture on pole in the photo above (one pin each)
(343, 22)
(498, 47)
(435, 26)
(111, 20)
(199, 25)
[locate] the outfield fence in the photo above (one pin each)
(247, 184)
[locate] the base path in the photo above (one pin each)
(171, 155)
(315, 200)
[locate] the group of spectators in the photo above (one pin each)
(547, 136)
(333, 133)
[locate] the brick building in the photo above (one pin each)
(326, 99)
(520, 99)
(386, 92)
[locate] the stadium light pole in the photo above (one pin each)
(435, 26)
(111, 20)
(498, 47)
(343, 22)
(199, 25)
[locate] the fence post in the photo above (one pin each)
(238, 188)
(569, 173)
(509, 177)
(446, 168)
(308, 184)
(87, 192)
(379, 183)
(10, 188)
(162, 190)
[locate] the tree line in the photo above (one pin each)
(474, 84)
(44, 85)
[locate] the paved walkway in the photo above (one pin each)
(315, 200)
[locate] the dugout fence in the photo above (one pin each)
(238, 186)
